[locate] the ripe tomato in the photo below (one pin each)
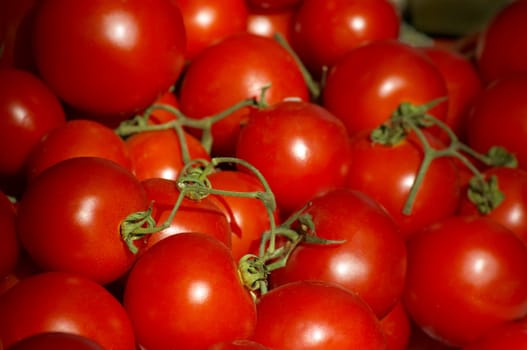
(499, 117)
(397, 328)
(202, 215)
(185, 293)
(512, 211)
(324, 30)
(160, 116)
(249, 63)
(77, 138)
(69, 217)
(301, 149)
(511, 335)
(370, 262)
(273, 5)
(364, 87)
(387, 173)
(316, 315)
(238, 345)
(28, 111)
(64, 302)
(109, 58)
(208, 22)
(56, 341)
(157, 154)
(248, 217)
(465, 276)
(9, 245)
(462, 82)
(499, 52)
(265, 23)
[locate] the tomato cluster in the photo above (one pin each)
(257, 174)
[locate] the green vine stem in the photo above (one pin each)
(411, 118)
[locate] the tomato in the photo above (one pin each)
(300, 148)
(273, 5)
(24, 267)
(387, 173)
(69, 217)
(56, 341)
(28, 111)
(511, 335)
(268, 24)
(248, 217)
(208, 22)
(499, 117)
(202, 215)
(397, 328)
(158, 153)
(499, 52)
(249, 63)
(512, 211)
(370, 262)
(462, 81)
(77, 138)
(185, 293)
(316, 315)
(109, 59)
(9, 245)
(363, 88)
(160, 116)
(465, 276)
(324, 30)
(238, 345)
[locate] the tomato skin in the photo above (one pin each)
(200, 302)
(300, 148)
(363, 88)
(465, 276)
(109, 59)
(192, 216)
(207, 22)
(499, 117)
(64, 302)
(268, 24)
(498, 51)
(316, 315)
(55, 341)
(397, 328)
(238, 345)
(386, 173)
(69, 217)
(84, 138)
(249, 63)
(512, 211)
(273, 5)
(157, 154)
(372, 260)
(9, 244)
(28, 111)
(325, 30)
(511, 335)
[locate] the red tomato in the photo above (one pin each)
(77, 138)
(465, 276)
(109, 58)
(248, 63)
(69, 217)
(316, 315)
(511, 335)
(28, 111)
(207, 22)
(396, 327)
(368, 83)
(499, 117)
(268, 24)
(462, 81)
(56, 341)
(157, 154)
(64, 302)
(499, 51)
(372, 260)
(185, 293)
(9, 245)
(25, 267)
(273, 5)
(301, 149)
(248, 217)
(238, 345)
(192, 216)
(387, 173)
(160, 116)
(325, 30)
(512, 211)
